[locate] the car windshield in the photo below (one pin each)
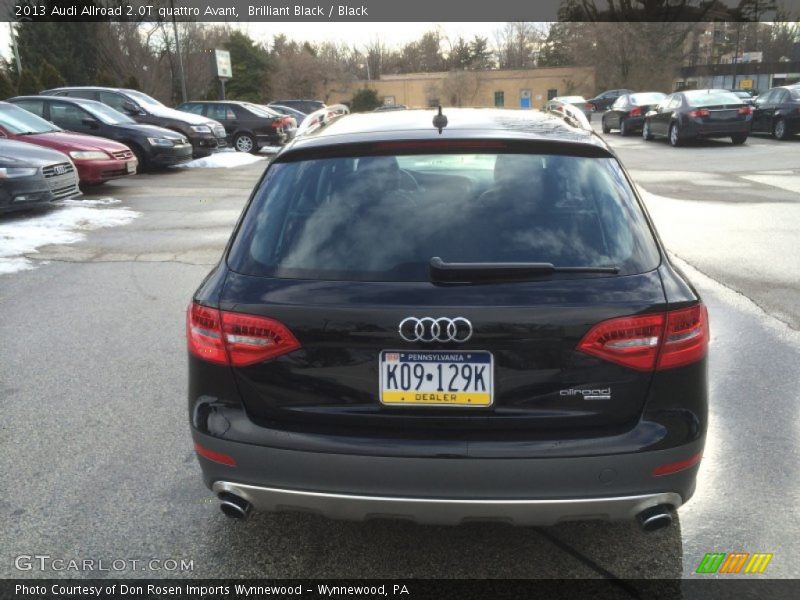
(382, 218)
(144, 99)
(106, 114)
(712, 98)
(647, 98)
(20, 121)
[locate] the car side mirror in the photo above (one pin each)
(131, 108)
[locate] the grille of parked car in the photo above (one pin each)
(62, 179)
(122, 155)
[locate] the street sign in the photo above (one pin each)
(223, 64)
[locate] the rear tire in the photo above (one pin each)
(779, 130)
(244, 142)
(739, 138)
(606, 128)
(674, 136)
(646, 135)
(623, 128)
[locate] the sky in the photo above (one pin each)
(360, 34)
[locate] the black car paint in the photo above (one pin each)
(778, 104)
(203, 143)
(34, 188)
(304, 106)
(620, 112)
(291, 409)
(605, 99)
(239, 121)
(673, 112)
(134, 135)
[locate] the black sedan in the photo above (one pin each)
(153, 146)
(249, 127)
(34, 177)
(627, 113)
(604, 100)
(695, 114)
(778, 112)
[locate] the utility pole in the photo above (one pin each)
(14, 47)
(736, 56)
(178, 52)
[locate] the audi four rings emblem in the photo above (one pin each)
(428, 329)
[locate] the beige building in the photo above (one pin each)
(524, 88)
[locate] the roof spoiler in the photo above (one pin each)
(321, 118)
(570, 115)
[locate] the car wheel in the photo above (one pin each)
(623, 127)
(674, 136)
(646, 135)
(606, 128)
(739, 138)
(140, 157)
(779, 130)
(244, 142)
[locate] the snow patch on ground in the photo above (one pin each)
(65, 224)
(224, 159)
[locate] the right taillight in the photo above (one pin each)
(700, 112)
(235, 339)
(647, 342)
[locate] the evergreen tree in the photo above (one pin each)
(6, 86)
(50, 77)
(28, 83)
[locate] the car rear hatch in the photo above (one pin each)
(346, 272)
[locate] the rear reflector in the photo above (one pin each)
(647, 342)
(217, 457)
(235, 339)
(675, 467)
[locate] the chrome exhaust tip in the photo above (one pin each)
(655, 517)
(234, 506)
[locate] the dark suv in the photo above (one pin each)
(205, 135)
(249, 127)
(447, 318)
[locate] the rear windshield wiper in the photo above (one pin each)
(444, 272)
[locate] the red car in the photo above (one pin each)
(97, 159)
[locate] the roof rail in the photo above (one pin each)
(321, 118)
(570, 115)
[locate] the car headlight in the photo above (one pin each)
(91, 155)
(13, 172)
(160, 142)
(201, 128)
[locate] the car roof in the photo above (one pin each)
(68, 99)
(462, 124)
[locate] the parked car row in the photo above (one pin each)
(711, 113)
(89, 135)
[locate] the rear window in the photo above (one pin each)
(647, 98)
(712, 98)
(382, 218)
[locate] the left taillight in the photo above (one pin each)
(651, 342)
(636, 111)
(235, 339)
(746, 110)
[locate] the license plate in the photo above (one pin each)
(436, 378)
(131, 166)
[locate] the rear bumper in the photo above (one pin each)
(716, 130)
(447, 511)
(439, 489)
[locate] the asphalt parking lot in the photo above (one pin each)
(97, 461)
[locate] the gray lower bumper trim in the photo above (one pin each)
(446, 511)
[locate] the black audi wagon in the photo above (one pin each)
(448, 317)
